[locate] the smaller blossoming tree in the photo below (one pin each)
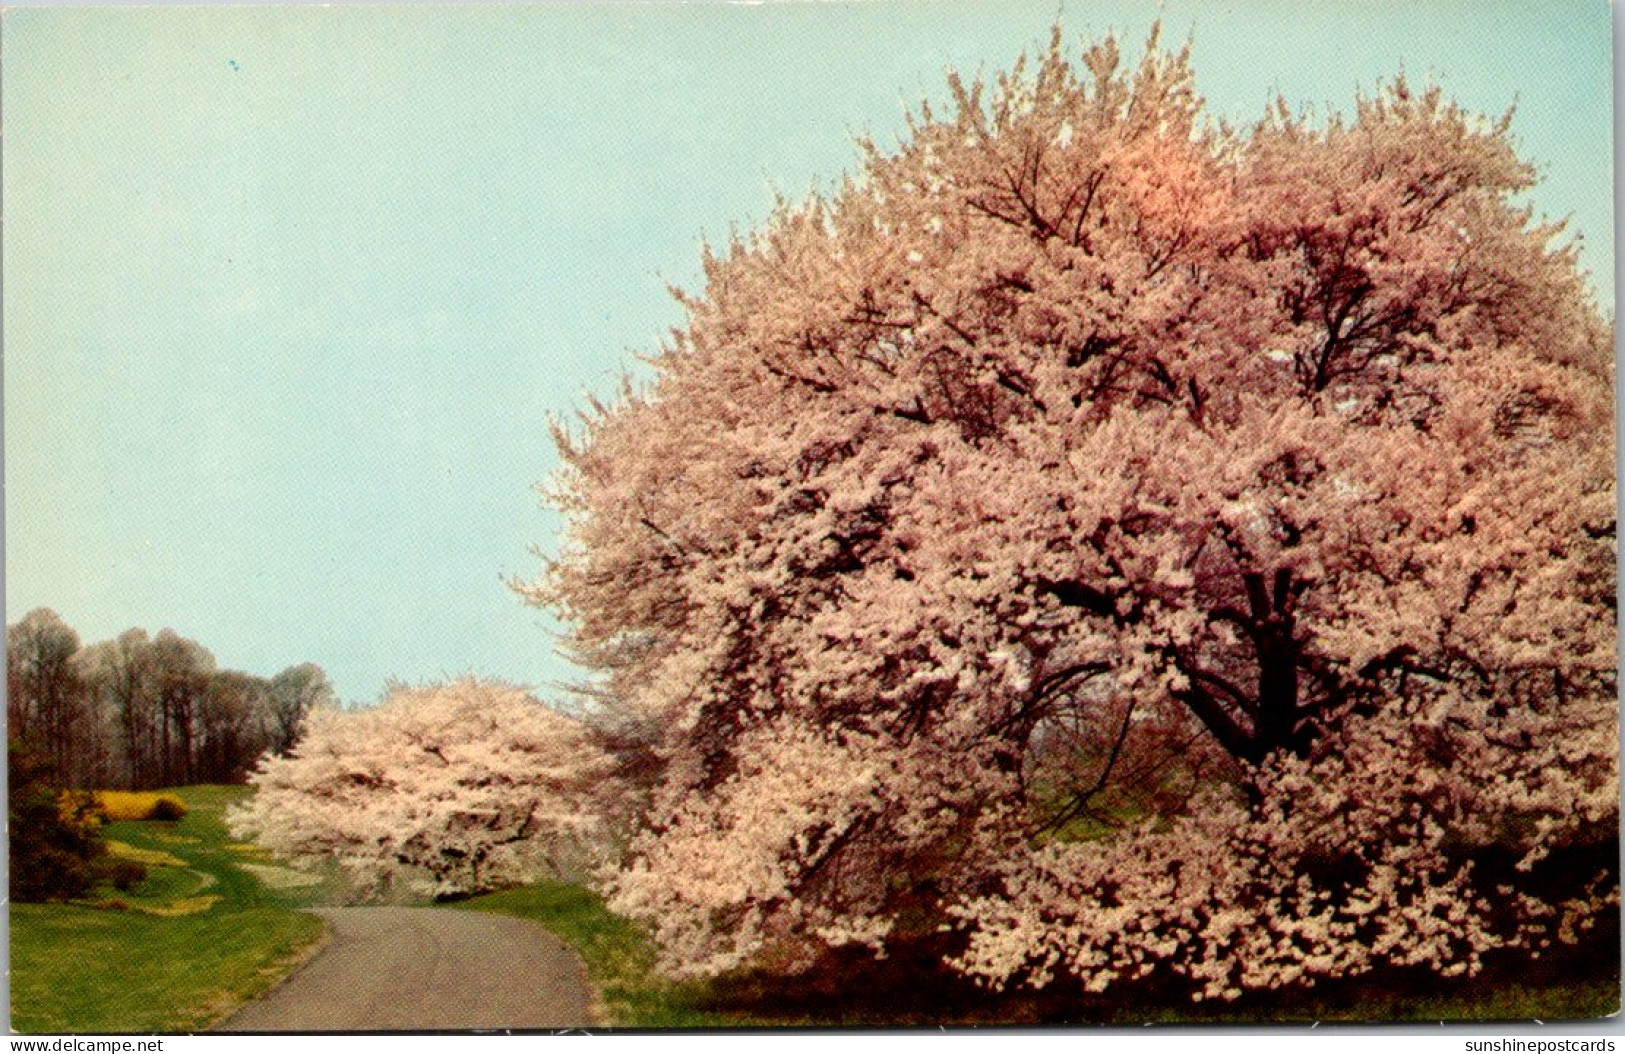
(468, 786)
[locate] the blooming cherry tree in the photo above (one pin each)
(468, 786)
(1147, 545)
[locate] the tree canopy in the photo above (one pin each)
(463, 787)
(144, 711)
(1145, 543)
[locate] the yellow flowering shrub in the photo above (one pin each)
(139, 805)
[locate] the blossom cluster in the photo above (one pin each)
(457, 787)
(1410, 844)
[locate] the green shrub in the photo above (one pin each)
(54, 839)
(123, 875)
(167, 808)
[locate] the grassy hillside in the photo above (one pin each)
(210, 927)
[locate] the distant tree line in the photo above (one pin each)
(142, 711)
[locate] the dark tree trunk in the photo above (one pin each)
(1250, 726)
(1275, 727)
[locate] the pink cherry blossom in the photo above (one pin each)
(458, 787)
(1141, 544)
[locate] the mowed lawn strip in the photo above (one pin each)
(193, 943)
(77, 969)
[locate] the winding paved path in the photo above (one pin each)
(419, 969)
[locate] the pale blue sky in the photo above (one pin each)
(290, 292)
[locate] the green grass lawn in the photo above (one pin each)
(201, 935)
(79, 970)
